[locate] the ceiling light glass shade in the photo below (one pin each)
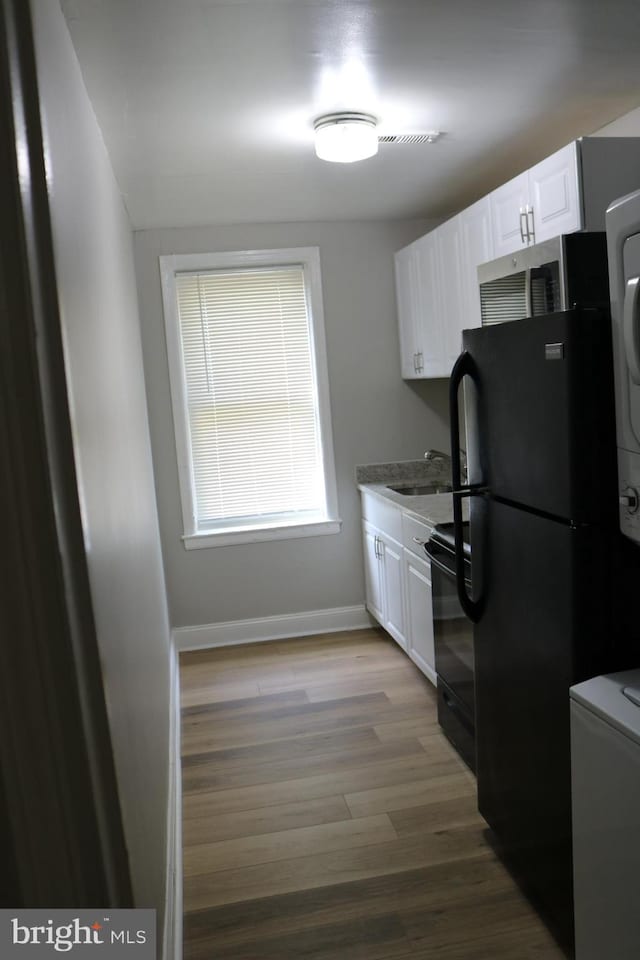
(346, 137)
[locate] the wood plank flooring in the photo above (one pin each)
(327, 818)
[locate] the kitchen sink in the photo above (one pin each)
(422, 489)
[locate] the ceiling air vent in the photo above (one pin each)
(430, 137)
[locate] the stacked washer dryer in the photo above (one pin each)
(623, 241)
(605, 711)
(605, 768)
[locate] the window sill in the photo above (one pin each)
(227, 538)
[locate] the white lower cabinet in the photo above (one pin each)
(419, 613)
(383, 579)
(398, 578)
(373, 573)
(394, 621)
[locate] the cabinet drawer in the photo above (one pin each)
(414, 533)
(383, 515)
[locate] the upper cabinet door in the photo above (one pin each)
(406, 300)
(554, 194)
(450, 290)
(429, 306)
(508, 215)
(476, 248)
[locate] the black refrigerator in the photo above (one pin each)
(543, 527)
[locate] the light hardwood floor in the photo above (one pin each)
(327, 818)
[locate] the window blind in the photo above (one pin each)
(251, 396)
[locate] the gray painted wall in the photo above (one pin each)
(628, 125)
(376, 416)
(97, 293)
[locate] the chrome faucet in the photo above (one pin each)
(437, 455)
(445, 459)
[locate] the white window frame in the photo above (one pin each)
(309, 259)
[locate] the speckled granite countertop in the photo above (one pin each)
(434, 508)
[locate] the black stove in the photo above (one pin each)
(453, 641)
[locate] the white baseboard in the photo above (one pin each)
(172, 934)
(272, 628)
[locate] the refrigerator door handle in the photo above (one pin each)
(463, 367)
(470, 491)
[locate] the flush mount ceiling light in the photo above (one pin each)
(346, 137)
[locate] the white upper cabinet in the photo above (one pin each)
(449, 249)
(429, 302)
(408, 313)
(476, 247)
(554, 195)
(538, 204)
(436, 276)
(437, 291)
(508, 215)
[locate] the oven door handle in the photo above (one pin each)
(428, 549)
(463, 367)
(442, 567)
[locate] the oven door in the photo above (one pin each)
(453, 640)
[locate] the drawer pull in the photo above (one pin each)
(420, 542)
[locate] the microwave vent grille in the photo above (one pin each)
(504, 299)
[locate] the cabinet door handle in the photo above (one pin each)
(415, 363)
(376, 547)
(420, 362)
(524, 230)
(531, 232)
(420, 542)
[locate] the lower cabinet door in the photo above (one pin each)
(393, 594)
(419, 629)
(373, 572)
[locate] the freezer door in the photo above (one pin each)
(543, 414)
(543, 628)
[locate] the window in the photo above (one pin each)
(249, 387)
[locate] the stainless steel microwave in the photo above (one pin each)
(569, 270)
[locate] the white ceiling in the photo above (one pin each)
(207, 106)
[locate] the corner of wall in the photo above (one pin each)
(172, 933)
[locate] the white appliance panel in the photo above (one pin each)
(605, 766)
(623, 239)
(631, 338)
